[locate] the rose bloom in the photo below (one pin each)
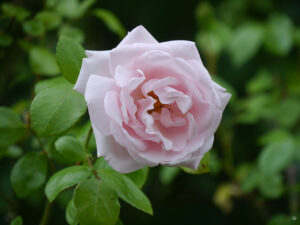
(151, 103)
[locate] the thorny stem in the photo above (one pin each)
(48, 206)
(88, 137)
(46, 214)
(52, 167)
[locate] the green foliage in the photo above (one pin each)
(11, 127)
(43, 62)
(17, 221)
(71, 214)
(96, 203)
(5, 40)
(13, 11)
(66, 178)
(56, 109)
(283, 220)
(53, 82)
(249, 47)
(70, 150)
(139, 177)
(213, 40)
(167, 174)
(50, 20)
(70, 8)
(279, 34)
(11, 151)
(246, 42)
(71, 32)
(111, 21)
(261, 82)
(29, 173)
(271, 186)
(34, 27)
(126, 189)
(69, 56)
(276, 156)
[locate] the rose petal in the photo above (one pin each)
(97, 87)
(222, 96)
(116, 155)
(126, 139)
(138, 35)
(168, 95)
(97, 64)
(197, 156)
(169, 120)
(153, 84)
(183, 49)
(125, 55)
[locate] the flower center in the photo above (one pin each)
(157, 105)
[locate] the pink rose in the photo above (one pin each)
(151, 103)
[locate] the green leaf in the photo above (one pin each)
(70, 150)
(28, 174)
(12, 151)
(96, 203)
(34, 27)
(279, 35)
(17, 221)
(69, 56)
(126, 189)
(101, 164)
(50, 20)
(245, 42)
(251, 181)
(111, 21)
(56, 109)
(52, 82)
(261, 82)
(213, 40)
(273, 136)
(290, 107)
(283, 220)
(13, 11)
(255, 108)
(43, 62)
(71, 32)
(271, 186)
(70, 8)
(66, 178)
(276, 156)
(71, 214)
(11, 127)
(204, 14)
(167, 174)
(139, 177)
(119, 222)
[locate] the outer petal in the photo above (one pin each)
(125, 55)
(183, 49)
(117, 156)
(138, 35)
(96, 63)
(222, 95)
(197, 156)
(97, 87)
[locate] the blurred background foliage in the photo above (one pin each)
(252, 47)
